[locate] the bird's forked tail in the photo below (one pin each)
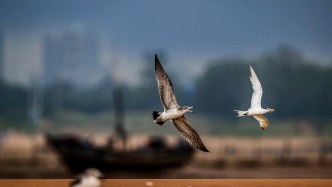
(241, 113)
(155, 115)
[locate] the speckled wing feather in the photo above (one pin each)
(189, 133)
(257, 89)
(263, 122)
(165, 87)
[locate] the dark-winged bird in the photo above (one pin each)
(172, 111)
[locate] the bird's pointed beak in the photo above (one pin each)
(272, 110)
(190, 109)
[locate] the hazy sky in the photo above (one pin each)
(189, 31)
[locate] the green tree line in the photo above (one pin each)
(298, 88)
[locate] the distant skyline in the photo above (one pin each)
(74, 55)
(190, 32)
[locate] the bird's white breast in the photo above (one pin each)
(171, 114)
(256, 111)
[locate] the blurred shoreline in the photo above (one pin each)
(27, 156)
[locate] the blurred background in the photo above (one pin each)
(77, 87)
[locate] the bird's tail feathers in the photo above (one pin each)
(155, 115)
(241, 113)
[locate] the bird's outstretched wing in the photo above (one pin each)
(165, 86)
(257, 90)
(189, 133)
(263, 122)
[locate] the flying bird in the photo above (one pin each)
(90, 178)
(255, 109)
(172, 111)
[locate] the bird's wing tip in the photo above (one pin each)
(206, 150)
(203, 148)
(250, 67)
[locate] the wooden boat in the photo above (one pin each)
(78, 154)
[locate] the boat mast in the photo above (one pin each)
(119, 129)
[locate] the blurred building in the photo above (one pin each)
(73, 56)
